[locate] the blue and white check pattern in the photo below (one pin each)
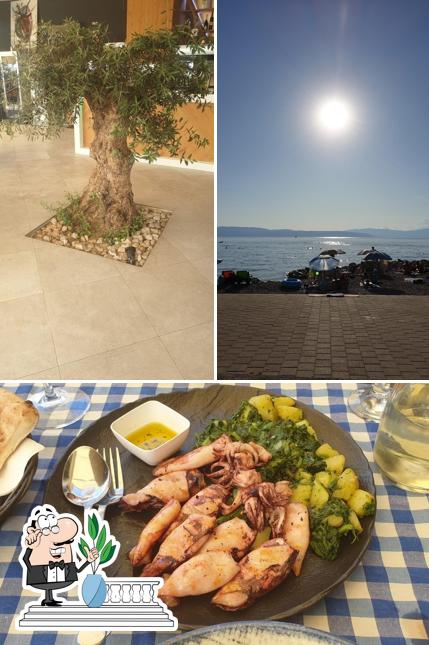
(385, 600)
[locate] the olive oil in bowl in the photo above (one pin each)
(151, 431)
(151, 435)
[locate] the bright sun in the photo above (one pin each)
(334, 116)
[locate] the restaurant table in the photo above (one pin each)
(385, 600)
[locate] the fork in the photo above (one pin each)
(116, 487)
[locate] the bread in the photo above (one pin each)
(17, 419)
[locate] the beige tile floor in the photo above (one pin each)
(68, 314)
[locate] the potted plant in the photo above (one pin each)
(94, 589)
(133, 90)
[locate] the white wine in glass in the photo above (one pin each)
(402, 443)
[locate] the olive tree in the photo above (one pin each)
(133, 91)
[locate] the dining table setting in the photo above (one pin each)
(369, 587)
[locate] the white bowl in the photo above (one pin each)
(149, 412)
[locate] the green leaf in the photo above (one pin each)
(93, 526)
(101, 539)
(83, 547)
(105, 554)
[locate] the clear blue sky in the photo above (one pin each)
(276, 60)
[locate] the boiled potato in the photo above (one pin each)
(263, 403)
(335, 520)
(335, 464)
(362, 503)
(283, 400)
(346, 484)
(311, 431)
(308, 427)
(325, 478)
(302, 492)
(325, 450)
(303, 475)
(354, 521)
(289, 413)
(319, 495)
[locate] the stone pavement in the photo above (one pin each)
(65, 314)
(293, 336)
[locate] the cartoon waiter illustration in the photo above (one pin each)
(48, 556)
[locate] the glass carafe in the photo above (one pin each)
(402, 443)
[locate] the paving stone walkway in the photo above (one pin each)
(302, 337)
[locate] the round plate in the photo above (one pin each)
(7, 501)
(318, 576)
(262, 632)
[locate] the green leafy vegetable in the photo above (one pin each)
(326, 539)
(292, 447)
(246, 413)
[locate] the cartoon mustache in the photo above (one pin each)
(65, 542)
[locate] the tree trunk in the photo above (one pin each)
(107, 203)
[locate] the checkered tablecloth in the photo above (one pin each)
(385, 600)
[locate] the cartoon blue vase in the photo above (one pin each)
(94, 590)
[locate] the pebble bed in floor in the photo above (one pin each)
(155, 220)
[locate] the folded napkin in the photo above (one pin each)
(13, 469)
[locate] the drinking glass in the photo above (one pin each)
(402, 442)
(59, 406)
(369, 401)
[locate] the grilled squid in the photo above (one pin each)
(199, 575)
(206, 502)
(153, 531)
(260, 571)
(233, 536)
(177, 485)
(194, 459)
(297, 532)
(181, 544)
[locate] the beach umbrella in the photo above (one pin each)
(321, 255)
(323, 263)
(366, 251)
(333, 252)
(376, 256)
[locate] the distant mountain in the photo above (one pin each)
(392, 232)
(253, 231)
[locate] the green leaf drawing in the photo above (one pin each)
(83, 547)
(92, 526)
(112, 552)
(101, 539)
(104, 555)
(107, 553)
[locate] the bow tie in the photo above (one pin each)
(59, 564)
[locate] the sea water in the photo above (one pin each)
(402, 444)
(269, 258)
